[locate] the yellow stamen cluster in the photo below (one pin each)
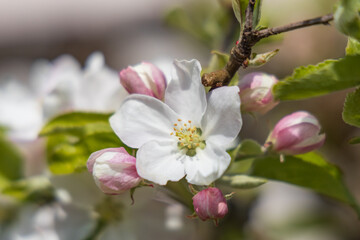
(189, 137)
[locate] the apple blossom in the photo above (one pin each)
(187, 134)
(55, 87)
(114, 170)
(144, 78)
(296, 133)
(255, 92)
(210, 203)
(52, 221)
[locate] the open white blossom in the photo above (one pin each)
(55, 87)
(49, 222)
(187, 134)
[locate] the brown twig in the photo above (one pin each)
(292, 26)
(240, 54)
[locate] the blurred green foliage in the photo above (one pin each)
(347, 18)
(11, 161)
(72, 137)
(353, 47)
(212, 24)
(35, 189)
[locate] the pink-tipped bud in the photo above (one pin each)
(296, 133)
(210, 203)
(255, 92)
(114, 170)
(144, 78)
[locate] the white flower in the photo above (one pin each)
(100, 88)
(49, 222)
(187, 134)
(20, 112)
(55, 87)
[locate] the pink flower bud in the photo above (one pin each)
(114, 170)
(144, 78)
(210, 203)
(296, 133)
(255, 92)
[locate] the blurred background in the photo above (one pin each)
(128, 32)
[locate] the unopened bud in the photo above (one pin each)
(144, 78)
(260, 59)
(255, 92)
(210, 203)
(296, 133)
(114, 170)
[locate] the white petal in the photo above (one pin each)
(100, 88)
(185, 93)
(222, 121)
(207, 165)
(45, 76)
(20, 111)
(160, 162)
(141, 119)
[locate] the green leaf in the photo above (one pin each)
(347, 18)
(11, 161)
(355, 140)
(242, 181)
(324, 78)
(78, 123)
(351, 111)
(72, 137)
(67, 154)
(248, 148)
(239, 7)
(307, 170)
(257, 13)
(353, 47)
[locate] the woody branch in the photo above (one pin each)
(240, 53)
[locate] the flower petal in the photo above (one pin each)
(141, 119)
(293, 119)
(20, 111)
(294, 135)
(133, 83)
(160, 162)
(207, 165)
(185, 94)
(99, 86)
(307, 146)
(222, 121)
(95, 155)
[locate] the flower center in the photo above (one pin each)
(189, 137)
